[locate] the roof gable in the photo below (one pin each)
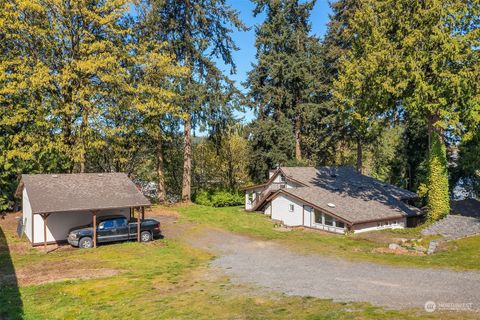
(85, 191)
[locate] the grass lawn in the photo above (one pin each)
(164, 279)
(462, 254)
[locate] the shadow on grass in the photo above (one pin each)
(11, 306)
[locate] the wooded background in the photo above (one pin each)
(114, 85)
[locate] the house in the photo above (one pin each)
(334, 199)
(55, 203)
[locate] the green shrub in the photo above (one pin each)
(202, 198)
(219, 198)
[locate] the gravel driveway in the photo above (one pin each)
(269, 265)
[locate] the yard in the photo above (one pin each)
(170, 278)
(463, 254)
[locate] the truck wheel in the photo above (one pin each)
(85, 243)
(145, 236)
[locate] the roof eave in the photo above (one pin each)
(379, 219)
(92, 209)
(348, 222)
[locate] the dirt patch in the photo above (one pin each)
(383, 237)
(161, 212)
(56, 271)
(398, 252)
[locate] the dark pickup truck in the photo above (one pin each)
(113, 228)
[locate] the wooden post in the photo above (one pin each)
(44, 217)
(33, 229)
(94, 225)
(143, 213)
(138, 226)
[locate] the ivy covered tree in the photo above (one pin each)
(438, 197)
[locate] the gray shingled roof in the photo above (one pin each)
(357, 198)
(346, 179)
(86, 191)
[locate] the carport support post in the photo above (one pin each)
(138, 226)
(44, 217)
(94, 226)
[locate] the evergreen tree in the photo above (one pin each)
(270, 144)
(467, 169)
(195, 31)
(283, 81)
(424, 60)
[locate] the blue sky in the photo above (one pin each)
(246, 40)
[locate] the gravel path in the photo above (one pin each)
(269, 265)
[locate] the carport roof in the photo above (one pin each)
(49, 193)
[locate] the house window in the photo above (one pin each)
(339, 224)
(282, 178)
(291, 208)
(318, 217)
(328, 220)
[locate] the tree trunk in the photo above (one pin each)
(359, 155)
(432, 119)
(161, 194)
(298, 137)
(187, 161)
(83, 128)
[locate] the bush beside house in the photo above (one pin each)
(218, 198)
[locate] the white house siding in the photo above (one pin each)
(255, 193)
(288, 184)
(58, 224)
(307, 216)
(268, 209)
(387, 224)
(27, 214)
(281, 210)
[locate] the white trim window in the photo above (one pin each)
(291, 207)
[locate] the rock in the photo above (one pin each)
(432, 247)
(419, 248)
(394, 246)
(400, 240)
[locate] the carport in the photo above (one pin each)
(55, 203)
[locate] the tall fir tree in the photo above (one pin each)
(284, 79)
(326, 137)
(196, 31)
